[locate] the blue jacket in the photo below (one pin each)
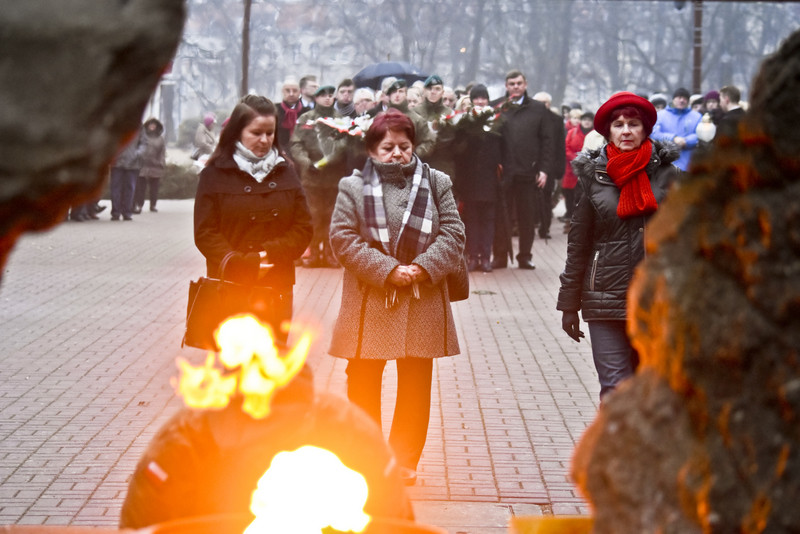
(673, 123)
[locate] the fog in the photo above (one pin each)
(577, 50)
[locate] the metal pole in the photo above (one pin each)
(246, 48)
(697, 70)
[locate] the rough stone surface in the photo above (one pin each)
(75, 76)
(706, 437)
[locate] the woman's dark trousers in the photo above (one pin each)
(412, 409)
(143, 183)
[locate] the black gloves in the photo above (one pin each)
(570, 323)
(242, 268)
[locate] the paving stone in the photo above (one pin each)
(91, 319)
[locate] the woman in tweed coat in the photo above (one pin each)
(395, 304)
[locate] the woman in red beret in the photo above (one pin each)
(623, 182)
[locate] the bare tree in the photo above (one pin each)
(575, 49)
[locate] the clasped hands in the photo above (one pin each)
(405, 275)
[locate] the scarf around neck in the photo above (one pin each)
(256, 167)
(627, 171)
(415, 231)
(290, 114)
(345, 110)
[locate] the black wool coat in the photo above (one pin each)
(233, 212)
(603, 250)
(477, 153)
(528, 144)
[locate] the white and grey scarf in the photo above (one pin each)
(256, 167)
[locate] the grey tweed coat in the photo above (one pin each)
(420, 328)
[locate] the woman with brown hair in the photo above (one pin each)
(249, 202)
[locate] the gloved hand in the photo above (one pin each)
(570, 323)
(242, 268)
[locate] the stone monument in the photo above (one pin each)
(75, 77)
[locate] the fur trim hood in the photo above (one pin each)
(159, 127)
(587, 163)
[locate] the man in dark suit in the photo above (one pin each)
(528, 146)
(729, 97)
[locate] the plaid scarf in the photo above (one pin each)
(415, 232)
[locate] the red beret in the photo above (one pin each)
(602, 119)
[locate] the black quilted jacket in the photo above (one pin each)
(602, 249)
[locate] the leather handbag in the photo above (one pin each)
(212, 301)
(458, 280)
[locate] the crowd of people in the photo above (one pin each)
(509, 158)
(379, 182)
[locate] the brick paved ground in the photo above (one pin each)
(91, 317)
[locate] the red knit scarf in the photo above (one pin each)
(626, 170)
(290, 116)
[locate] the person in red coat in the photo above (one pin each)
(582, 125)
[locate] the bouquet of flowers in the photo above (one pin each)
(347, 126)
(482, 117)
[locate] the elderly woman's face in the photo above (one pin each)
(626, 134)
(395, 147)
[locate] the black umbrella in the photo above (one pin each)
(371, 75)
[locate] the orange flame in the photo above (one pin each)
(307, 490)
(246, 349)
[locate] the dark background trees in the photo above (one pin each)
(578, 50)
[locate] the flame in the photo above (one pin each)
(307, 490)
(249, 354)
(205, 387)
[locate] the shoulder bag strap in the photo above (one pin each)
(432, 181)
(223, 264)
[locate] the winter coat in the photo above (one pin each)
(672, 123)
(365, 327)
(233, 212)
(204, 140)
(424, 137)
(154, 156)
(572, 145)
(284, 135)
(527, 139)
(131, 156)
(558, 158)
(440, 155)
(311, 142)
(729, 123)
(431, 111)
(603, 250)
(477, 153)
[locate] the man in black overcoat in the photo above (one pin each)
(527, 142)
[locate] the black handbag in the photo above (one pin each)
(458, 280)
(212, 301)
